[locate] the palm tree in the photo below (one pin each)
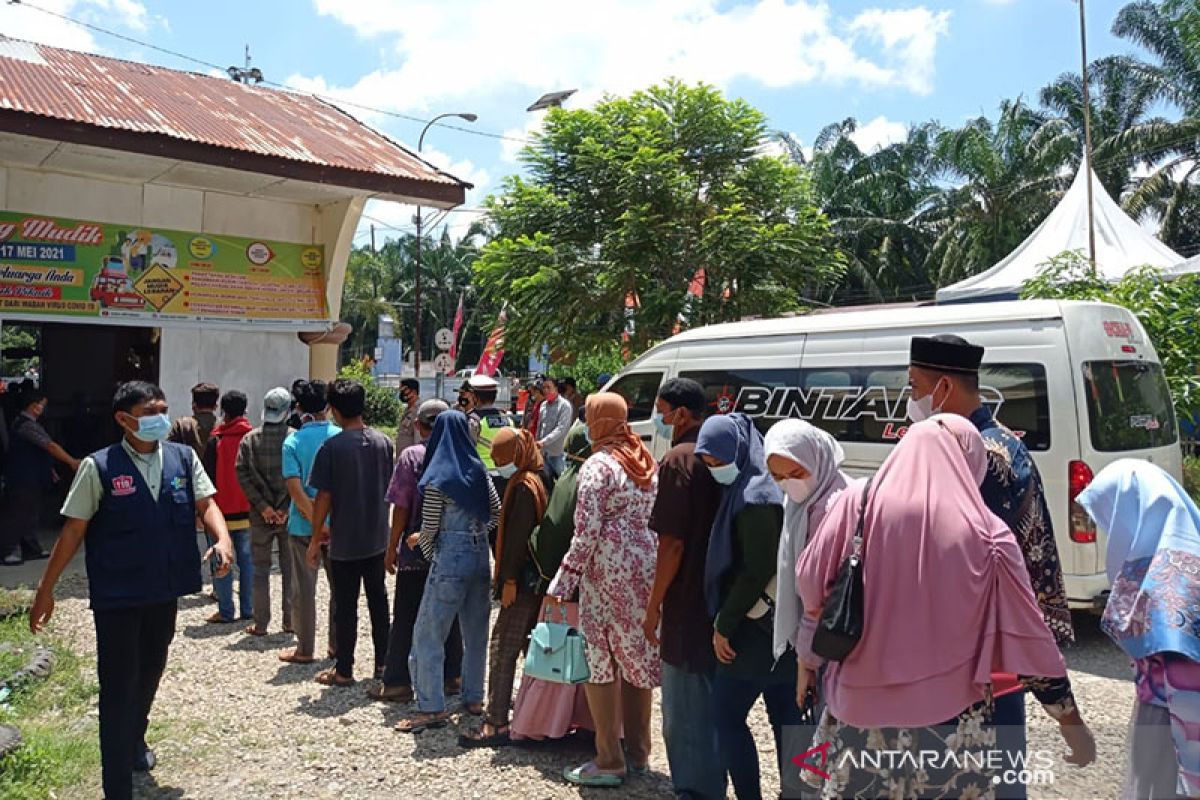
(1006, 177)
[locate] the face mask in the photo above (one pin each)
(506, 471)
(921, 410)
(587, 434)
(153, 428)
(726, 474)
(799, 489)
(664, 428)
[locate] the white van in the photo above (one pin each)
(1078, 381)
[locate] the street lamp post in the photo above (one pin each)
(417, 277)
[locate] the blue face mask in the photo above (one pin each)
(665, 429)
(725, 475)
(506, 470)
(153, 428)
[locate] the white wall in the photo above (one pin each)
(251, 361)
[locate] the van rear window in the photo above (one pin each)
(869, 404)
(1129, 406)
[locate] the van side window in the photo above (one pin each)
(640, 390)
(867, 405)
(750, 391)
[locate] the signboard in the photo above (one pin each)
(88, 270)
(444, 339)
(443, 364)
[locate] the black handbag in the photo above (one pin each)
(841, 623)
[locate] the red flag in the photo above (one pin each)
(458, 323)
(493, 352)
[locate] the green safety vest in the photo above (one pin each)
(484, 446)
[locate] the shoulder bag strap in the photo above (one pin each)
(862, 517)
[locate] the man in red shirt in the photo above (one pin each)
(220, 460)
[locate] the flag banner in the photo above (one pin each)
(457, 330)
(493, 352)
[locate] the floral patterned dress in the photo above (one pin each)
(611, 562)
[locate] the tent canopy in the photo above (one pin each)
(1121, 244)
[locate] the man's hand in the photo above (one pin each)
(725, 653)
(508, 594)
(313, 555)
(74, 464)
(1079, 740)
(805, 679)
(224, 551)
(413, 540)
(43, 609)
(650, 624)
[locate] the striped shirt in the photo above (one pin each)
(432, 507)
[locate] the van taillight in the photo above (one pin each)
(1083, 530)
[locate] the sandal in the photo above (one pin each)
(422, 722)
(590, 775)
(391, 694)
(478, 737)
(217, 619)
(331, 677)
(474, 709)
(292, 657)
(254, 630)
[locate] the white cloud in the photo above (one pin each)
(22, 22)
(879, 132)
(477, 48)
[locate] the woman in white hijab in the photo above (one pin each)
(806, 461)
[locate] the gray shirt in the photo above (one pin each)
(355, 467)
(554, 425)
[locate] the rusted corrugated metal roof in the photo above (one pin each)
(199, 109)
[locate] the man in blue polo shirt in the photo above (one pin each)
(299, 450)
(136, 503)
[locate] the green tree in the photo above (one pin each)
(1166, 309)
(631, 199)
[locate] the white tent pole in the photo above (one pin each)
(1087, 135)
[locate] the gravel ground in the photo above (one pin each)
(231, 720)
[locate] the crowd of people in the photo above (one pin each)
(710, 574)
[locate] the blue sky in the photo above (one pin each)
(805, 63)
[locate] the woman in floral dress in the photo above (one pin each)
(611, 562)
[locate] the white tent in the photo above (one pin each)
(1121, 244)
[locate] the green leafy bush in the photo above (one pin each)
(1166, 309)
(1191, 476)
(383, 404)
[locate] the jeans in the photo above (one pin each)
(348, 578)
(689, 730)
(410, 588)
(262, 542)
(733, 697)
(131, 653)
(1009, 719)
(459, 584)
(224, 586)
(556, 466)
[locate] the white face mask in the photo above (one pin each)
(506, 470)
(923, 409)
(800, 489)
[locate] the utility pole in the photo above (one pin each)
(1087, 136)
(373, 250)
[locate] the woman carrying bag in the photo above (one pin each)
(611, 562)
(739, 589)
(947, 603)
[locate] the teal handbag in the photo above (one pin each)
(557, 652)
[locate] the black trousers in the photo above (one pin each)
(21, 515)
(131, 653)
(348, 578)
(410, 588)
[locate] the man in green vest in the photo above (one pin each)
(479, 394)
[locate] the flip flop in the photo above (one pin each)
(477, 738)
(474, 709)
(391, 694)
(217, 619)
(291, 657)
(422, 722)
(330, 677)
(255, 631)
(590, 775)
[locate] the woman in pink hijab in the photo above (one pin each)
(947, 603)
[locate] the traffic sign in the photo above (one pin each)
(444, 339)
(443, 363)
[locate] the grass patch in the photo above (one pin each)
(61, 748)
